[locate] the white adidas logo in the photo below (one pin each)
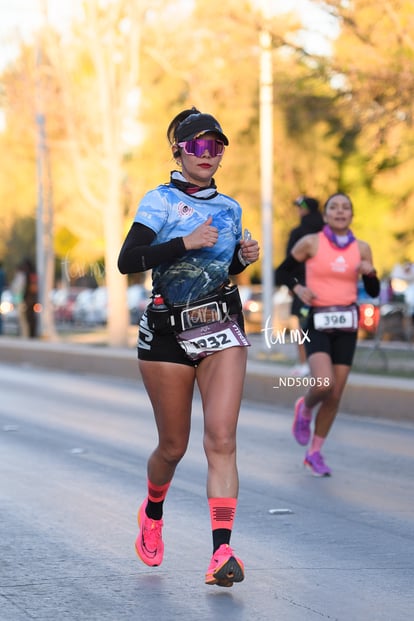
(339, 265)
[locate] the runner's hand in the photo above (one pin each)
(204, 236)
(304, 293)
(250, 250)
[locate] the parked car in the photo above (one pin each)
(7, 307)
(369, 313)
(63, 301)
(393, 322)
(137, 298)
(252, 304)
(99, 306)
(252, 307)
(91, 305)
(82, 308)
(385, 321)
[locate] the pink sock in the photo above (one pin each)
(316, 445)
(157, 493)
(222, 512)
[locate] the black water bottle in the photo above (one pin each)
(159, 317)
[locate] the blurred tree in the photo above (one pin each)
(373, 58)
(116, 78)
(96, 75)
(17, 148)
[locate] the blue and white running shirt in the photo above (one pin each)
(171, 213)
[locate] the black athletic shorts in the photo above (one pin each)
(164, 347)
(340, 345)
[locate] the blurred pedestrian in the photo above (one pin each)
(334, 259)
(17, 288)
(24, 289)
(311, 221)
(190, 235)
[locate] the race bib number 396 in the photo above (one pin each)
(336, 319)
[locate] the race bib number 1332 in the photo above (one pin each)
(208, 339)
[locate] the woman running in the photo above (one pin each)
(190, 235)
(334, 261)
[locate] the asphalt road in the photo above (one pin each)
(73, 453)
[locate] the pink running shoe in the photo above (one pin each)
(301, 424)
(224, 568)
(316, 465)
(149, 544)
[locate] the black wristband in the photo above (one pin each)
(371, 285)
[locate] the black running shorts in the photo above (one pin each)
(164, 347)
(340, 345)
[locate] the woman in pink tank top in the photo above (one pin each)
(334, 261)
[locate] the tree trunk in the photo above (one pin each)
(118, 314)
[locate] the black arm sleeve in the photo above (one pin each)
(286, 273)
(236, 266)
(293, 238)
(137, 255)
(371, 285)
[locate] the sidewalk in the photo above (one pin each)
(269, 373)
